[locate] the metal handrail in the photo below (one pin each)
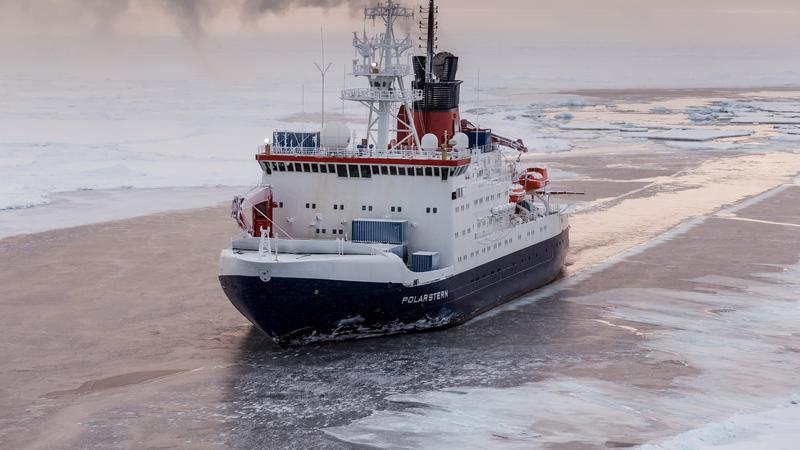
(393, 69)
(381, 94)
(402, 153)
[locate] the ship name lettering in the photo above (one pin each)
(425, 297)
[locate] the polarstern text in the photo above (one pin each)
(425, 297)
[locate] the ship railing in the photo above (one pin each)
(400, 153)
(391, 70)
(381, 94)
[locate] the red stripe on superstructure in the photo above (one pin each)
(331, 159)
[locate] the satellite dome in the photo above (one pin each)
(460, 141)
(429, 142)
(335, 135)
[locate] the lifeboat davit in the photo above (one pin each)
(534, 179)
(254, 211)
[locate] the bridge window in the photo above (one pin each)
(384, 170)
(290, 167)
(352, 169)
(401, 170)
(331, 168)
(306, 167)
(315, 168)
(410, 171)
(341, 170)
(420, 171)
(323, 168)
(392, 170)
(436, 171)
(429, 171)
(365, 173)
(376, 170)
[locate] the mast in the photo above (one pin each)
(380, 62)
(431, 30)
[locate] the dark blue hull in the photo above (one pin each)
(294, 310)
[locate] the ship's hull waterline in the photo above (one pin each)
(298, 311)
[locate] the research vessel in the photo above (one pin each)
(422, 221)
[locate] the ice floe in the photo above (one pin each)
(774, 429)
(660, 110)
(548, 144)
(590, 126)
(695, 134)
(702, 145)
(765, 118)
(566, 116)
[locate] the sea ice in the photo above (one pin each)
(774, 429)
(695, 134)
(788, 129)
(776, 106)
(660, 110)
(739, 366)
(702, 145)
(548, 144)
(766, 118)
(590, 126)
(565, 116)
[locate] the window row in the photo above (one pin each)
(547, 253)
(495, 246)
(462, 207)
(325, 231)
(463, 233)
(362, 170)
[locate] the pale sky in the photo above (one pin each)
(647, 21)
(541, 39)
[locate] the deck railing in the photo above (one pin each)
(392, 70)
(400, 153)
(380, 94)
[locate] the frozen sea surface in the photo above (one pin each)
(676, 313)
(742, 357)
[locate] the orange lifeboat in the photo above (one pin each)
(533, 179)
(517, 194)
